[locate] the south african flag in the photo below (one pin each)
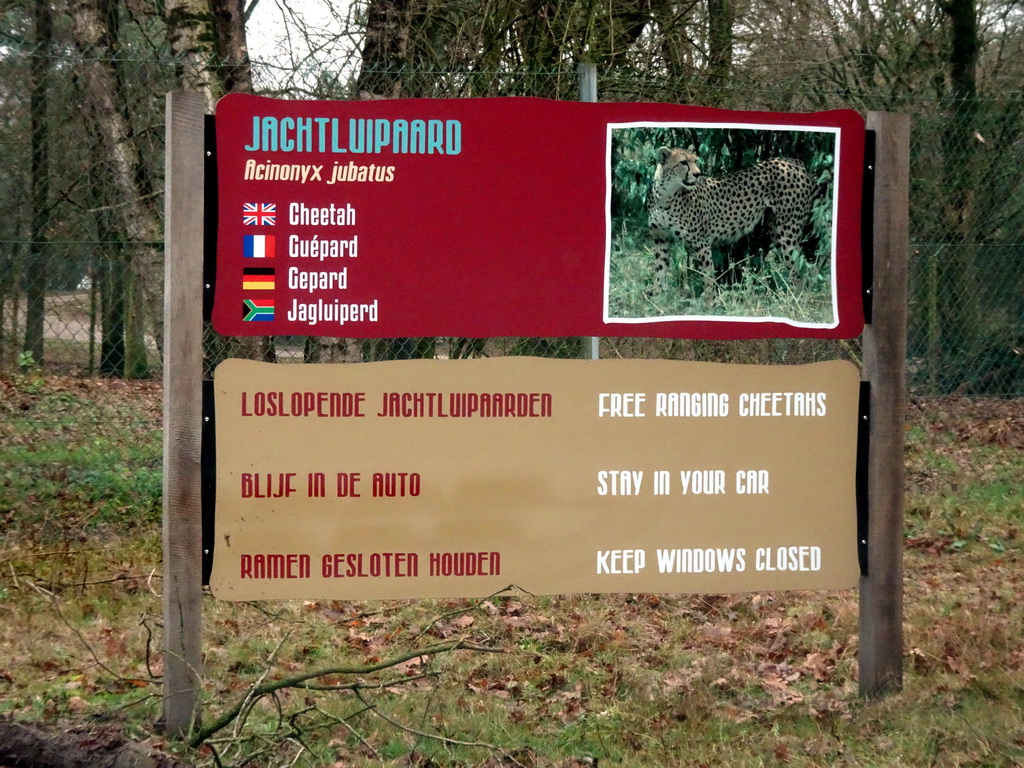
(257, 309)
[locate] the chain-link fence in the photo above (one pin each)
(79, 278)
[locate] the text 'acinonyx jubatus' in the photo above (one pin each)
(702, 212)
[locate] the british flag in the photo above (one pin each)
(259, 214)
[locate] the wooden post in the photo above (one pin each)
(183, 409)
(588, 92)
(885, 349)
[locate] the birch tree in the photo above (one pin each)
(134, 220)
(207, 37)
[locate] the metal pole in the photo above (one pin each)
(588, 93)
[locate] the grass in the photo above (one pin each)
(761, 292)
(81, 450)
(635, 680)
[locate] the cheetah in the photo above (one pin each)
(702, 212)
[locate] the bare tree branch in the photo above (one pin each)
(298, 681)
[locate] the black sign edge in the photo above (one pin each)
(867, 225)
(863, 480)
(210, 203)
(208, 482)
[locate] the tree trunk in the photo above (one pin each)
(208, 38)
(40, 184)
(190, 30)
(721, 17)
(960, 310)
(112, 318)
(385, 45)
(963, 55)
(135, 219)
(672, 19)
(122, 344)
(235, 69)
(385, 52)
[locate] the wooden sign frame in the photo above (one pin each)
(884, 338)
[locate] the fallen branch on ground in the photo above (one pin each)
(298, 681)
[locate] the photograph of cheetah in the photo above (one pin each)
(717, 221)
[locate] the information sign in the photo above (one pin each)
(459, 478)
(526, 217)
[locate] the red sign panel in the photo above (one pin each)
(528, 217)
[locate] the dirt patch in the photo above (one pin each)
(28, 746)
(983, 420)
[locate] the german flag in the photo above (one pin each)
(258, 279)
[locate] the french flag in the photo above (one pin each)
(259, 246)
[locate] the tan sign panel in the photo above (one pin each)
(459, 478)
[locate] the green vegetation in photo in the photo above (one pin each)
(750, 284)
